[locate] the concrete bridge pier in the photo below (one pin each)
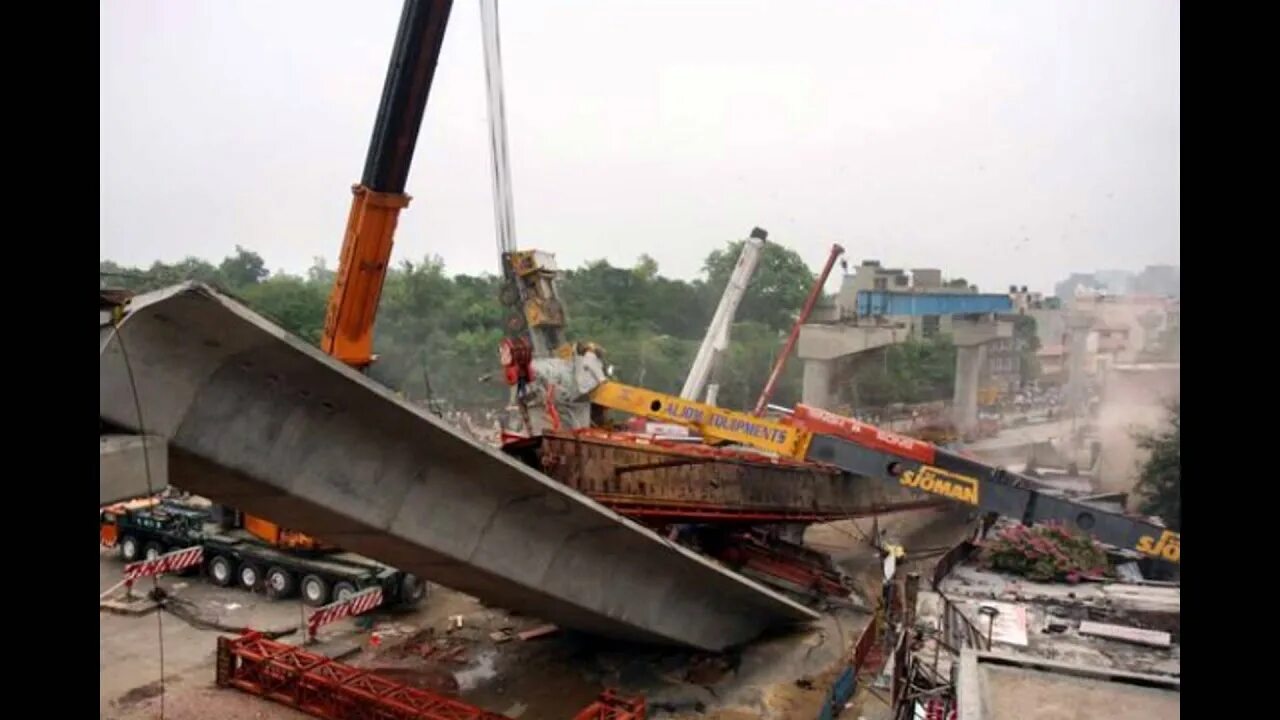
(971, 333)
(1079, 326)
(823, 347)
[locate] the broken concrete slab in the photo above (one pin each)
(538, 632)
(259, 419)
(138, 605)
(1125, 633)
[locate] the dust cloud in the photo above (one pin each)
(1134, 400)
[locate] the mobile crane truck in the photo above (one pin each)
(237, 553)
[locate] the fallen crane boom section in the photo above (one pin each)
(862, 450)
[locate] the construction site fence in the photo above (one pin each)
(948, 562)
(901, 659)
(862, 658)
(916, 682)
(889, 637)
(958, 631)
(839, 694)
(896, 611)
(961, 552)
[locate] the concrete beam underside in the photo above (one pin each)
(828, 342)
(260, 420)
(125, 472)
(968, 332)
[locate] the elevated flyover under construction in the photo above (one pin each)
(256, 418)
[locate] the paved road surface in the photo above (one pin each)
(551, 678)
(129, 658)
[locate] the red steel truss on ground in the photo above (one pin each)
(331, 690)
(326, 689)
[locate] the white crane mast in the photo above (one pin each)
(716, 341)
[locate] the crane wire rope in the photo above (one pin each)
(117, 318)
(503, 200)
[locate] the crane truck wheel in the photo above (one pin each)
(280, 583)
(130, 548)
(315, 591)
(412, 590)
(249, 576)
(221, 571)
(153, 550)
(343, 590)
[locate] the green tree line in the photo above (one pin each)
(1160, 475)
(437, 334)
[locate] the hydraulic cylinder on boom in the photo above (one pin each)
(376, 204)
(379, 198)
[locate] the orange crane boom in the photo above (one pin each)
(380, 196)
(375, 208)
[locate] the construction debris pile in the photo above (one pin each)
(982, 638)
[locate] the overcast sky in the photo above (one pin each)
(1005, 142)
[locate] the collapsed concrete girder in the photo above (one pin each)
(260, 420)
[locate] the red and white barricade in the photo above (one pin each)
(361, 602)
(170, 562)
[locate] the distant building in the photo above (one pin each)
(1128, 326)
(1162, 280)
(871, 277)
(1053, 364)
(1067, 288)
(1002, 371)
(1115, 282)
(1051, 324)
(877, 307)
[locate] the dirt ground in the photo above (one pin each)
(779, 677)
